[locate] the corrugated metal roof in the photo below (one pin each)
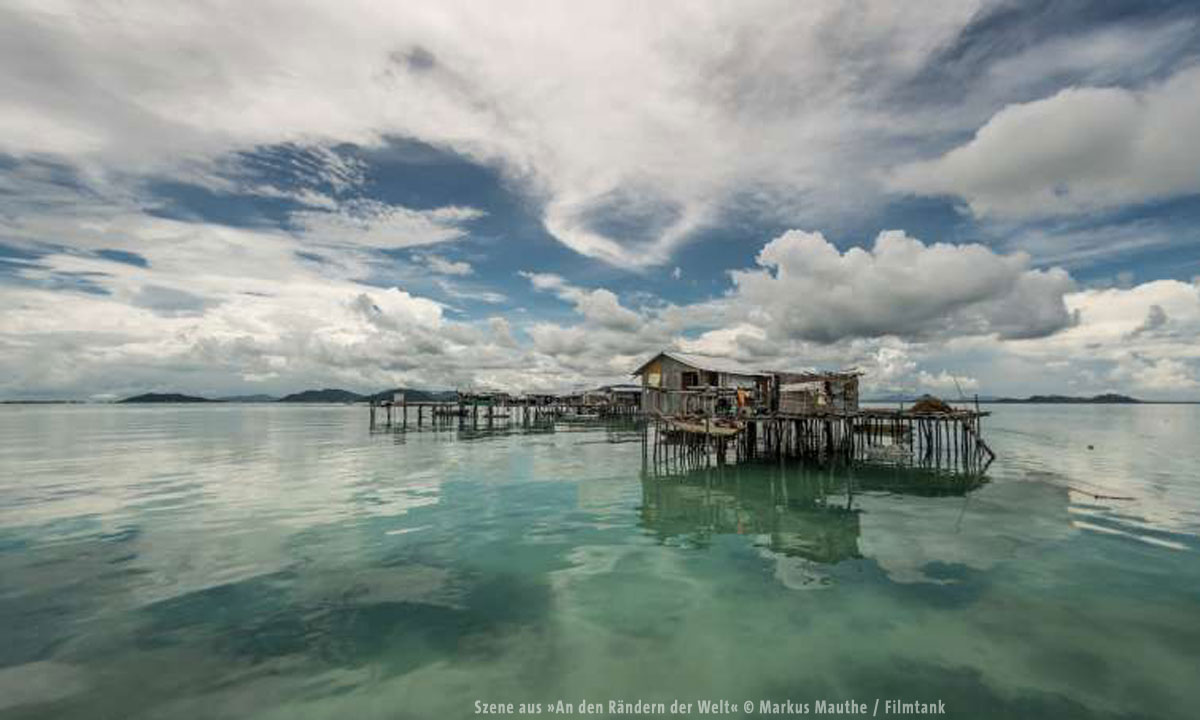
(706, 363)
(810, 375)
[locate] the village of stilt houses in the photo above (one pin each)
(693, 411)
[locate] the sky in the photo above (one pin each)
(961, 197)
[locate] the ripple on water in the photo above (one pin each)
(235, 561)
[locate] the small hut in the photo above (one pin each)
(674, 382)
(623, 396)
(816, 392)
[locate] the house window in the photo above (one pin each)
(690, 379)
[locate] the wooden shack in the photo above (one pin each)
(812, 393)
(623, 396)
(674, 382)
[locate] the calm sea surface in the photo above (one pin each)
(283, 562)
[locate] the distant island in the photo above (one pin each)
(339, 395)
(164, 398)
(42, 402)
(412, 395)
(324, 395)
(1105, 399)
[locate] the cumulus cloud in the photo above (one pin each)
(210, 307)
(738, 341)
(599, 306)
(1114, 313)
(1156, 317)
(1135, 339)
(1081, 149)
(915, 317)
(1165, 375)
(805, 288)
(224, 309)
(946, 382)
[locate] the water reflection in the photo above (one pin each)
(800, 512)
(282, 562)
(617, 429)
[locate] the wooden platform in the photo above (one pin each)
(950, 441)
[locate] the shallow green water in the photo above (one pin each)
(282, 562)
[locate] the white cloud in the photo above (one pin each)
(1082, 247)
(599, 306)
(215, 304)
(1139, 339)
(747, 105)
(1081, 149)
(458, 292)
(545, 281)
(629, 131)
(734, 341)
(616, 112)
(372, 224)
(1108, 55)
(442, 266)
(1164, 375)
(915, 318)
(602, 307)
(221, 309)
(1112, 314)
(806, 289)
(25, 130)
(946, 382)
(1156, 318)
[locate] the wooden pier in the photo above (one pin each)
(949, 441)
(484, 410)
(706, 410)
(738, 416)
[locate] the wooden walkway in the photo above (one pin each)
(389, 416)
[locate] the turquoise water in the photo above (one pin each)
(282, 562)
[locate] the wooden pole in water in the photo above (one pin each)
(949, 448)
(941, 430)
(952, 428)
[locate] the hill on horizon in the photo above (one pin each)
(165, 398)
(413, 395)
(324, 395)
(1104, 398)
